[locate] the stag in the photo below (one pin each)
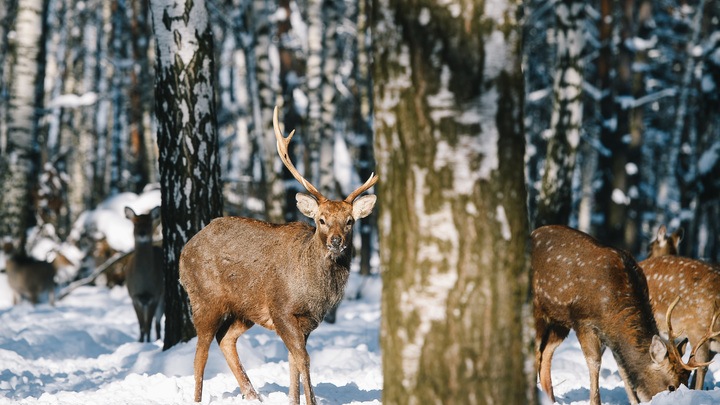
(239, 272)
(601, 294)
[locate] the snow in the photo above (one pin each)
(84, 351)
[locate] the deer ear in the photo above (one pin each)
(129, 213)
(363, 206)
(678, 235)
(155, 213)
(658, 350)
(307, 205)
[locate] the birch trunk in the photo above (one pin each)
(453, 226)
(187, 140)
(555, 200)
(19, 158)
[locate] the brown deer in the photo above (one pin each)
(668, 276)
(601, 293)
(28, 277)
(144, 275)
(239, 272)
(663, 245)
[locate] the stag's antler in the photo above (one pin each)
(369, 183)
(282, 144)
(692, 364)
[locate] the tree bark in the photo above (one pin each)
(555, 203)
(453, 225)
(20, 156)
(187, 140)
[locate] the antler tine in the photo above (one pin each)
(668, 315)
(369, 183)
(282, 144)
(708, 335)
(672, 336)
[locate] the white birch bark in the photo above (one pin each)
(22, 125)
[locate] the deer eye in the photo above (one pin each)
(671, 388)
(349, 221)
(321, 221)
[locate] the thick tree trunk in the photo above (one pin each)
(453, 226)
(187, 140)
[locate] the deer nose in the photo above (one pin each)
(336, 241)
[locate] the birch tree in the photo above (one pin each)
(19, 154)
(555, 200)
(453, 226)
(187, 140)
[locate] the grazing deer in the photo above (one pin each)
(669, 275)
(144, 276)
(239, 272)
(28, 277)
(601, 293)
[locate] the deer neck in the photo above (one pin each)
(631, 347)
(143, 246)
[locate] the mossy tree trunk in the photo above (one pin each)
(450, 148)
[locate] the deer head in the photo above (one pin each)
(334, 220)
(662, 245)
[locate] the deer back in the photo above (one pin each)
(698, 285)
(578, 279)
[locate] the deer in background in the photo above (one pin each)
(239, 272)
(601, 293)
(144, 275)
(668, 276)
(28, 277)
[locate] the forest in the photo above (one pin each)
(483, 120)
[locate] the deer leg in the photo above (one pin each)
(139, 312)
(228, 344)
(592, 349)
(201, 356)
(159, 310)
(701, 355)
(292, 335)
(626, 381)
(547, 340)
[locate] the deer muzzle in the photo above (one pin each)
(335, 244)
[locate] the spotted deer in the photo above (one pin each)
(144, 276)
(239, 272)
(600, 293)
(697, 282)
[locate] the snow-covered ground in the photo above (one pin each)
(85, 351)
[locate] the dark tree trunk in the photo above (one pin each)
(187, 140)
